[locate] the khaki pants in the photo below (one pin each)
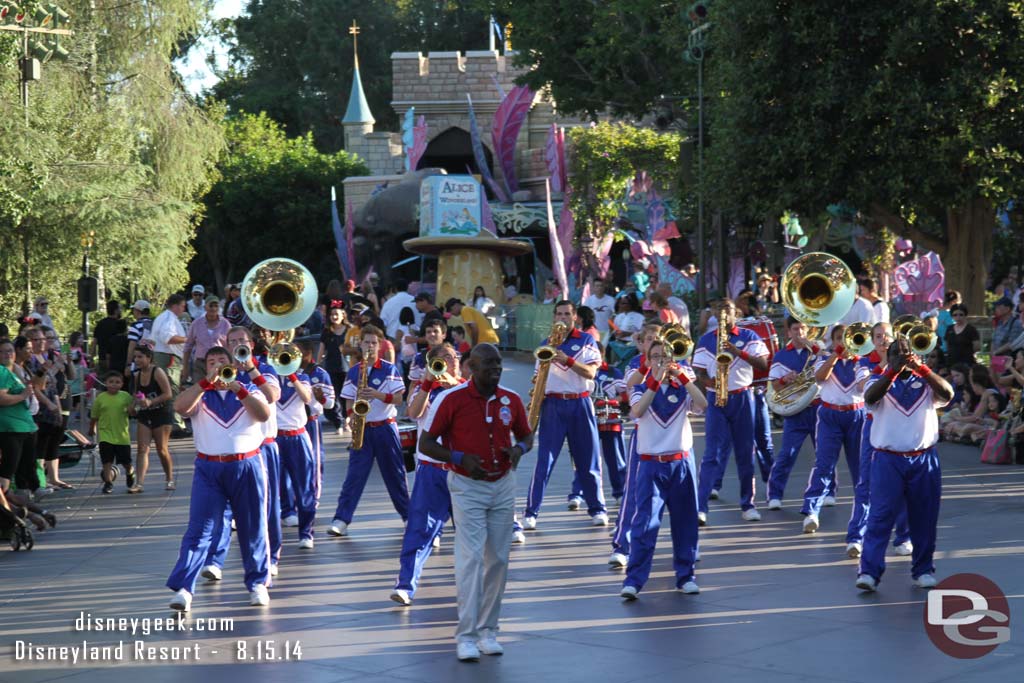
(483, 533)
(171, 364)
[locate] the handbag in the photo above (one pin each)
(996, 450)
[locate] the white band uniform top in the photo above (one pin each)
(904, 420)
(664, 429)
(383, 377)
(845, 386)
(741, 374)
(581, 347)
(217, 427)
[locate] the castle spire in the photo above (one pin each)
(358, 108)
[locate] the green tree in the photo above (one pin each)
(294, 60)
(909, 111)
(272, 199)
(113, 146)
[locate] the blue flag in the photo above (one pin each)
(341, 248)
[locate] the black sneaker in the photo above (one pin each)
(108, 487)
(130, 477)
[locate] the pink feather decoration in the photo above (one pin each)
(554, 157)
(419, 142)
(350, 229)
(508, 120)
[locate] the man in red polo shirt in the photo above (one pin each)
(476, 422)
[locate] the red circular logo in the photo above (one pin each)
(967, 616)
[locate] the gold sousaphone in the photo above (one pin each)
(818, 289)
(279, 295)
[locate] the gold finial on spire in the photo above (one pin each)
(354, 31)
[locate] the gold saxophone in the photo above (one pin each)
(723, 359)
(544, 354)
(360, 408)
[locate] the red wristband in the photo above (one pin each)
(242, 393)
(259, 380)
(652, 383)
(683, 379)
(924, 371)
(294, 378)
(890, 374)
(206, 384)
(570, 361)
(745, 356)
(427, 385)
(839, 349)
(388, 398)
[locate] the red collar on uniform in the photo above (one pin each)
(575, 334)
(376, 364)
(734, 331)
(874, 357)
(604, 366)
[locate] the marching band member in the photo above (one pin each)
(840, 422)
(298, 457)
(226, 419)
(635, 374)
(786, 366)
(567, 412)
(323, 402)
(477, 422)
(434, 332)
(666, 475)
(430, 501)
(266, 380)
(732, 425)
(881, 336)
(905, 467)
(381, 442)
(611, 390)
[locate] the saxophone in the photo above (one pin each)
(544, 355)
(360, 408)
(723, 359)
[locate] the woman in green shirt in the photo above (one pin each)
(17, 395)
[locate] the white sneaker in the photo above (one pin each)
(713, 495)
(467, 651)
(518, 536)
(829, 501)
(853, 550)
(774, 504)
(690, 588)
(290, 520)
(629, 592)
(401, 597)
(702, 519)
(925, 581)
(338, 528)
(488, 643)
(751, 515)
(273, 570)
(259, 597)
(810, 524)
(305, 544)
(574, 503)
(618, 560)
(529, 523)
(436, 543)
(866, 583)
(600, 519)
(182, 601)
(211, 572)
(905, 548)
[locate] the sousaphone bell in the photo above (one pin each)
(279, 295)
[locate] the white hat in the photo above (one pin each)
(141, 305)
(199, 288)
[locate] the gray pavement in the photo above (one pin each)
(776, 605)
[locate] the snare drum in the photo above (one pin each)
(609, 419)
(764, 328)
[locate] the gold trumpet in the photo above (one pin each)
(922, 339)
(674, 338)
(857, 339)
(437, 368)
(227, 374)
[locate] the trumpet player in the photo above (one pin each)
(298, 457)
(247, 365)
(798, 355)
(567, 413)
(226, 417)
(875, 362)
(382, 389)
(840, 422)
(434, 332)
(734, 421)
(666, 472)
(430, 502)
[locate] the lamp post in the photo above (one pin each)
(696, 47)
(88, 286)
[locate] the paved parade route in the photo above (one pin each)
(776, 605)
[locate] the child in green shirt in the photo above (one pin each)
(110, 411)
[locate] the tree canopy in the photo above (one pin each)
(272, 199)
(294, 61)
(113, 146)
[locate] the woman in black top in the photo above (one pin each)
(154, 416)
(331, 358)
(962, 338)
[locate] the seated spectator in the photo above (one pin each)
(936, 361)
(628, 321)
(962, 338)
(1013, 377)
(959, 376)
(1007, 327)
(956, 425)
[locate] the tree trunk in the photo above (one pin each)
(966, 250)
